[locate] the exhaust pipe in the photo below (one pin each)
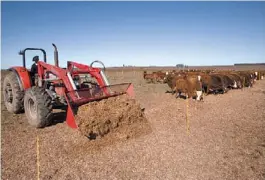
(104, 77)
(56, 60)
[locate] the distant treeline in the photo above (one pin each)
(249, 64)
(183, 66)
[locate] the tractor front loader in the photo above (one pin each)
(65, 88)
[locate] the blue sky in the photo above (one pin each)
(135, 33)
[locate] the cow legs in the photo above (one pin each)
(199, 95)
(186, 96)
(207, 90)
(224, 90)
(174, 90)
(178, 94)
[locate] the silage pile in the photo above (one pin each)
(96, 119)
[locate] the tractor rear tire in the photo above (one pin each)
(13, 94)
(38, 107)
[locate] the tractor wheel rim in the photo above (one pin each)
(32, 107)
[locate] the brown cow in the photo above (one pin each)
(171, 79)
(151, 78)
(154, 77)
(212, 84)
(227, 82)
(190, 85)
(194, 86)
(259, 75)
(247, 78)
(160, 76)
(181, 86)
(262, 75)
(237, 80)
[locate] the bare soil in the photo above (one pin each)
(220, 138)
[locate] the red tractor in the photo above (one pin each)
(55, 87)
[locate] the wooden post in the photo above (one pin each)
(38, 159)
(187, 117)
(243, 83)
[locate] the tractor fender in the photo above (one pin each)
(23, 76)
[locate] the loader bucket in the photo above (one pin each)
(80, 97)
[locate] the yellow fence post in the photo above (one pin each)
(187, 117)
(243, 83)
(38, 159)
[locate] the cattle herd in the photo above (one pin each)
(195, 83)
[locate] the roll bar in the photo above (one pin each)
(23, 53)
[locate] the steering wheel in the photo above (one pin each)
(97, 61)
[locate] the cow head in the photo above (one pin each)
(235, 84)
(167, 78)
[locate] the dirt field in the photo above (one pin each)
(221, 138)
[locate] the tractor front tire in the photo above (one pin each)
(38, 107)
(13, 94)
